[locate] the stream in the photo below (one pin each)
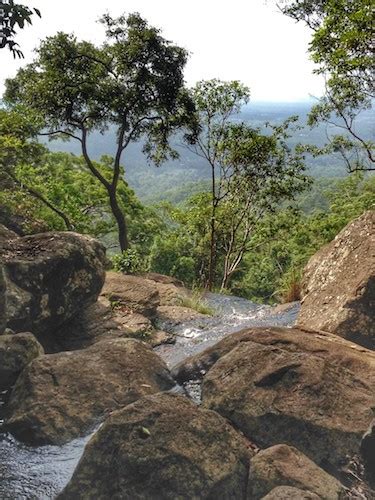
(40, 473)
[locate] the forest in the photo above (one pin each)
(195, 183)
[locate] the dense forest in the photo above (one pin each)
(197, 183)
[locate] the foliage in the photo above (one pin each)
(128, 262)
(251, 173)
(14, 16)
(283, 243)
(133, 81)
(342, 47)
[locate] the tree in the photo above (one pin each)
(342, 47)
(216, 102)
(250, 172)
(134, 81)
(13, 16)
(19, 146)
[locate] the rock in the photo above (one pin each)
(172, 316)
(6, 234)
(16, 352)
(283, 465)
(290, 493)
(312, 390)
(162, 446)
(160, 337)
(171, 290)
(338, 286)
(62, 396)
(368, 451)
(49, 277)
(132, 294)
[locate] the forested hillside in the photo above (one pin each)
(176, 179)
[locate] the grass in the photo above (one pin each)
(196, 302)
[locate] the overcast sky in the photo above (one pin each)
(247, 40)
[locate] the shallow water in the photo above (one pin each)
(42, 472)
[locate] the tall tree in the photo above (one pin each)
(250, 172)
(216, 102)
(342, 46)
(12, 16)
(134, 81)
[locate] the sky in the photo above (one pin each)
(246, 40)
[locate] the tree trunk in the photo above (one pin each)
(120, 220)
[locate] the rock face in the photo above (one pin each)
(339, 284)
(162, 446)
(133, 293)
(283, 465)
(16, 352)
(49, 277)
(290, 493)
(62, 396)
(368, 451)
(6, 234)
(312, 390)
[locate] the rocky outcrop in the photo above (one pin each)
(171, 290)
(61, 396)
(171, 316)
(16, 352)
(162, 446)
(49, 277)
(338, 292)
(368, 451)
(283, 465)
(6, 234)
(290, 493)
(312, 390)
(131, 294)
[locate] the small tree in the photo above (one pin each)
(134, 80)
(342, 46)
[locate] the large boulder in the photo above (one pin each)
(61, 396)
(312, 390)
(49, 277)
(338, 290)
(16, 352)
(132, 294)
(162, 446)
(283, 465)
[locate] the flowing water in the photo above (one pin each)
(41, 472)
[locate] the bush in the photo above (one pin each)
(128, 262)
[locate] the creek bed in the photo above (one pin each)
(40, 473)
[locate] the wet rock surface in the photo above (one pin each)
(62, 396)
(283, 465)
(339, 284)
(16, 352)
(49, 277)
(162, 446)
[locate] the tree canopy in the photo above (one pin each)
(14, 16)
(134, 81)
(342, 47)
